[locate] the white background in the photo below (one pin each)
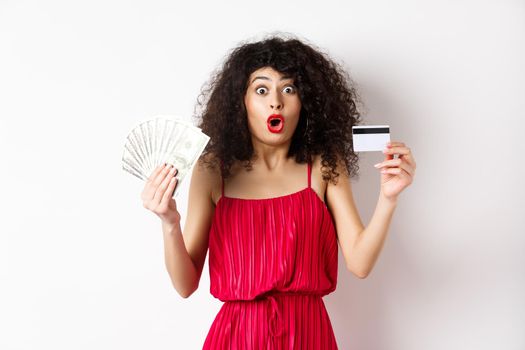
(81, 261)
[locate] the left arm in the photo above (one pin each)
(361, 246)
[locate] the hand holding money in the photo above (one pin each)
(157, 195)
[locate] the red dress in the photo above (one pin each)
(271, 260)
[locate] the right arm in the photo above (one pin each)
(184, 253)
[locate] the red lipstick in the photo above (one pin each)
(275, 123)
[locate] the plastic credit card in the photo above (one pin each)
(370, 137)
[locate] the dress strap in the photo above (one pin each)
(309, 173)
(222, 180)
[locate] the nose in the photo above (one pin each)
(276, 107)
(276, 102)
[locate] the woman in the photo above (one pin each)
(265, 197)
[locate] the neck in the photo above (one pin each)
(271, 157)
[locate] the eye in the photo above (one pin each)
(290, 89)
(259, 89)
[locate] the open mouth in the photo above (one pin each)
(275, 123)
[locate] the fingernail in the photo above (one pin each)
(377, 165)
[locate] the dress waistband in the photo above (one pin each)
(276, 326)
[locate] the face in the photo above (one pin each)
(273, 105)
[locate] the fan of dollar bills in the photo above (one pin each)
(163, 139)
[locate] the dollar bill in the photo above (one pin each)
(163, 139)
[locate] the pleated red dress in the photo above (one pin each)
(271, 261)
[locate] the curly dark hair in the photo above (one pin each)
(328, 106)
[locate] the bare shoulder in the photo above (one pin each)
(342, 188)
(318, 184)
(206, 175)
(332, 192)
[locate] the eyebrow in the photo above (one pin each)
(266, 78)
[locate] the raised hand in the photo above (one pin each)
(398, 173)
(158, 192)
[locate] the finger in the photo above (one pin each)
(151, 187)
(409, 158)
(394, 143)
(388, 163)
(148, 191)
(393, 171)
(408, 168)
(401, 170)
(397, 150)
(159, 193)
(156, 172)
(398, 162)
(400, 173)
(405, 175)
(150, 179)
(168, 194)
(405, 166)
(162, 175)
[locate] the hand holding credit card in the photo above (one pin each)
(396, 173)
(368, 138)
